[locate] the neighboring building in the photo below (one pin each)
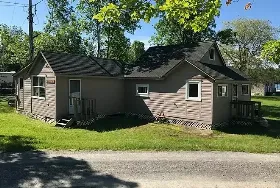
(6, 79)
(272, 89)
(188, 84)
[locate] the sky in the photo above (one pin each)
(261, 9)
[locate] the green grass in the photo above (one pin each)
(20, 133)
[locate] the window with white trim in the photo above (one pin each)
(222, 90)
(245, 89)
(142, 90)
(38, 86)
(193, 90)
(212, 54)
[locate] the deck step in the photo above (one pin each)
(61, 124)
(65, 122)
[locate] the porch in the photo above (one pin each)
(83, 108)
(246, 111)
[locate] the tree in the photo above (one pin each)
(13, 48)
(136, 50)
(171, 32)
(243, 40)
(191, 14)
(271, 51)
(63, 25)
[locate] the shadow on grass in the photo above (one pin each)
(16, 143)
(271, 98)
(38, 169)
(271, 113)
(272, 131)
(115, 123)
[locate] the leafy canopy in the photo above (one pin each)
(271, 51)
(191, 14)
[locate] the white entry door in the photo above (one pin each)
(74, 92)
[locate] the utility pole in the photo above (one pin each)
(31, 38)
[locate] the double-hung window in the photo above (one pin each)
(193, 90)
(38, 86)
(142, 90)
(222, 90)
(245, 89)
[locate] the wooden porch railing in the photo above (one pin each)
(84, 109)
(246, 110)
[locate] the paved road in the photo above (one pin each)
(139, 169)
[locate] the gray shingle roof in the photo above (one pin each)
(220, 72)
(72, 64)
(157, 61)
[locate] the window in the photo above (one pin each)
(212, 54)
(142, 90)
(245, 89)
(277, 87)
(222, 90)
(20, 83)
(193, 90)
(38, 87)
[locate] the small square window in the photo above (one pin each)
(222, 90)
(212, 54)
(193, 90)
(245, 89)
(142, 90)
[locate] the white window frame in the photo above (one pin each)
(188, 98)
(142, 94)
(222, 85)
(214, 54)
(248, 89)
(32, 90)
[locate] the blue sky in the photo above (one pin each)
(262, 9)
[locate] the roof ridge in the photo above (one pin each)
(182, 44)
(100, 66)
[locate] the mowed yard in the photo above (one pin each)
(20, 133)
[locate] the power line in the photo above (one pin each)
(9, 3)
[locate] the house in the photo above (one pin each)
(188, 84)
(6, 79)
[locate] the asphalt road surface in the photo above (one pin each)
(108, 169)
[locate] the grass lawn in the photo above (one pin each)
(20, 133)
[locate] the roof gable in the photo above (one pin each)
(157, 61)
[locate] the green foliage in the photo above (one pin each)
(242, 42)
(190, 14)
(13, 47)
(171, 32)
(63, 25)
(136, 50)
(271, 51)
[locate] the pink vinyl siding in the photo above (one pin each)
(221, 105)
(41, 107)
(108, 92)
(168, 96)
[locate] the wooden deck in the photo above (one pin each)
(246, 110)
